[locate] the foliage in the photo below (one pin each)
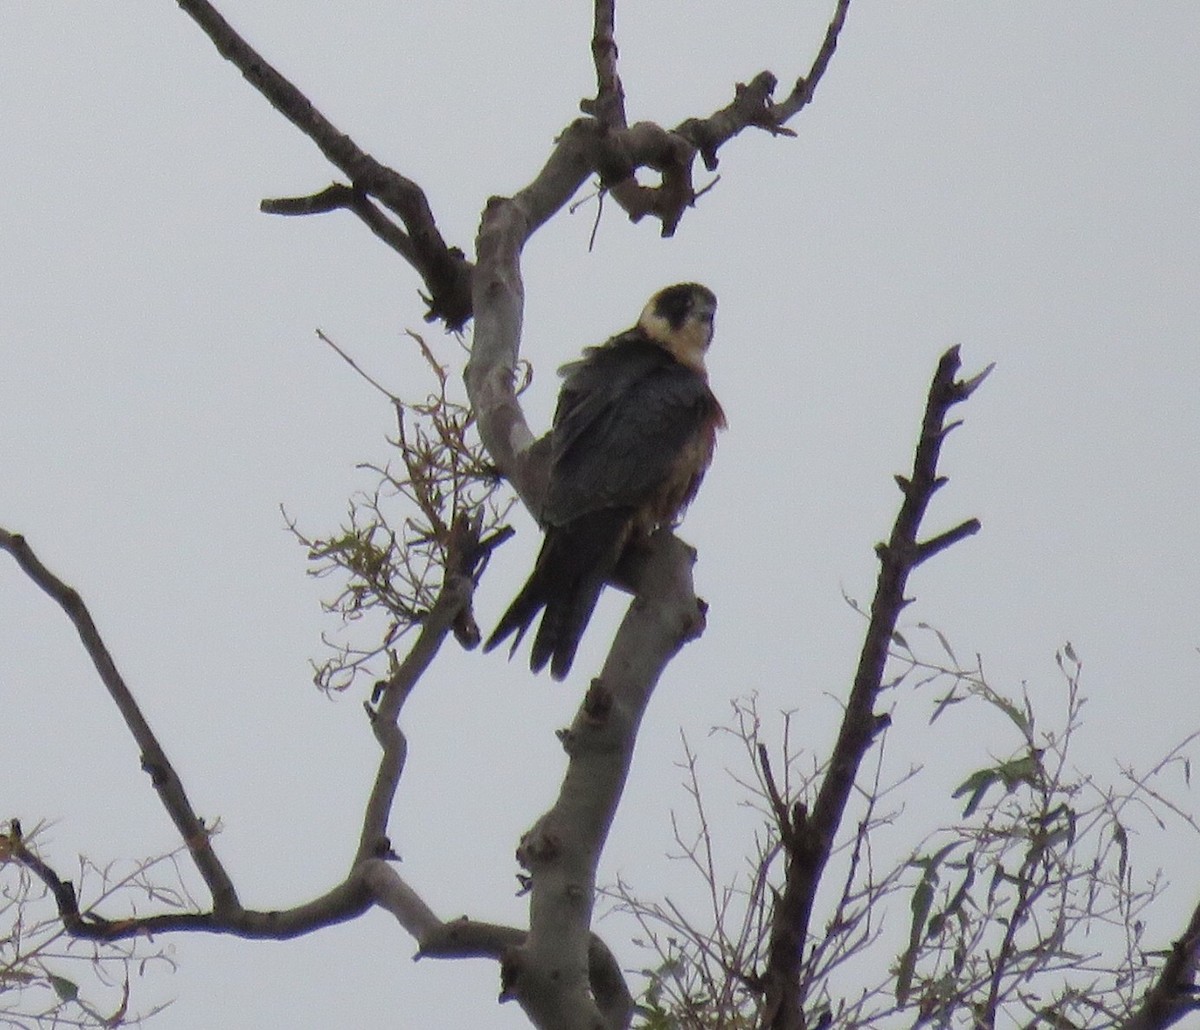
(1025, 911)
(36, 951)
(390, 556)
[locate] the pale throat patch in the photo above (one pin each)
(687, 344)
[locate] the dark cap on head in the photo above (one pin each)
(676, 303)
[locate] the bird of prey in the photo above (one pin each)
(633, 434)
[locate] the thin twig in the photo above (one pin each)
(358, 368)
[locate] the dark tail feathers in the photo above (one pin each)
(571, 569)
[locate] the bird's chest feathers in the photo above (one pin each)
(684, 478)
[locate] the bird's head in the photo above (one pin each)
(680, 319)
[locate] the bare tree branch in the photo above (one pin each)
(808, 838)
(585, 147)
(752, 103)
(562, 849)
(466, 559)
(468, 938)
(615, 153)
(394, 895)
(370, 881)
(672, 153)
(344, 902)
(609, 106)
(1175, 993)
(154, 760)
(337, 196)
(802, 92)
(547, 973)
(444, 269)
(397, 689)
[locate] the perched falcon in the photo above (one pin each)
(633, 434)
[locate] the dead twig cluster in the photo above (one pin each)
(401, 537)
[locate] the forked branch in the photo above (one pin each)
(444, 269)
(370, 880)
(614, 151)
(547, 972)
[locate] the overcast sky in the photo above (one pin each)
(1019, 178)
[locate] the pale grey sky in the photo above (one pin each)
(1018, 178)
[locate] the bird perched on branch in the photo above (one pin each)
(633, 434)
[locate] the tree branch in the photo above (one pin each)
(370, 880)
(617, 151)
(444, 270)
(467, 938)
(672, 153)
(1174, 993)
(752, 104)
(466, 558)
(802, 91)
(546, 973)
(808, 838)
(397, 688)
(154, 760)
(609, 106)
(340, 196)
(344, 902)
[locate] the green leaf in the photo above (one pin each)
(944, 703)
(941, 640)
(1060, 824)
(67, 990)
(922, 902)
(976, 785)
(1026, 769)
(957, 902)
(1013, 712)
